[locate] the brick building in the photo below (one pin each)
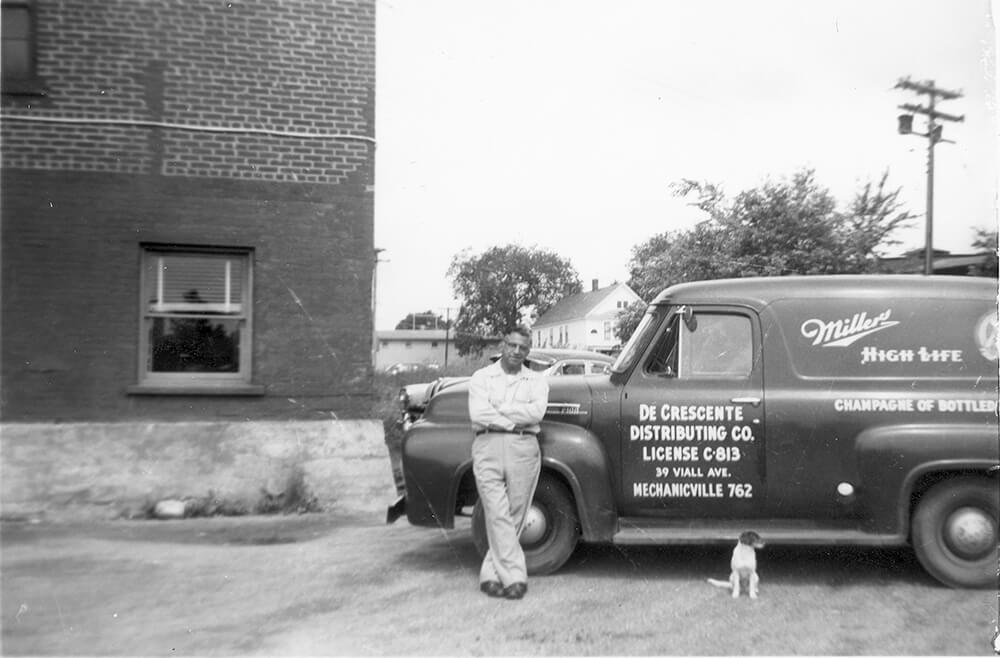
(187, 209)
(187, 219)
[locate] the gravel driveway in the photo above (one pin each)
(326, 584)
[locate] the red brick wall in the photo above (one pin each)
(78, 200)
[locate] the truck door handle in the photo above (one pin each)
(752, 401)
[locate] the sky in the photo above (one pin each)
(561, 124)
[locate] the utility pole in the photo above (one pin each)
(377, 251)
(933, 136)
(447, 333)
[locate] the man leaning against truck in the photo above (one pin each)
(507, 401)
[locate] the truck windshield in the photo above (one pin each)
(640, 338)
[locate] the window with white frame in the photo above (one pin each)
(195, 316)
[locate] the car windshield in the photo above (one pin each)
(536, 362)
(640, 337)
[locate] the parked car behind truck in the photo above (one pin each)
(551, 362)
(841, 410)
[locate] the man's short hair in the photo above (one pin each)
(519, 329)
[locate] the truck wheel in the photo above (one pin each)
(551, 529)
(955, 532)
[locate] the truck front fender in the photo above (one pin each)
(435, 458)
(438, 466)
(892, 459)
(578, 456)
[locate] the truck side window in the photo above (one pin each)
(663, 360)
(720, 346)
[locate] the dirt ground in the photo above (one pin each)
(324, 584)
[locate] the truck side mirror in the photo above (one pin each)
(690, 321)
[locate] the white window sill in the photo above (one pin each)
(196, 389)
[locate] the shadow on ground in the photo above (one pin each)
(787, 565)
(236, 530)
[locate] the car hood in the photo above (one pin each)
(570, 400)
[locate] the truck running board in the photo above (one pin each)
(643, 531)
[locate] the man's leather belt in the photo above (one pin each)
(522, 432)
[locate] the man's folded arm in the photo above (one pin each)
(531, 412)
(481, 412)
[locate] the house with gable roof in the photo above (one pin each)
(586, 320)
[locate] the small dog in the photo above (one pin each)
(743, 566)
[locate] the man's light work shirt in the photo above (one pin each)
(509, 402)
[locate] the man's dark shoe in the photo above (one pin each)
(492, 588)
(515, 591)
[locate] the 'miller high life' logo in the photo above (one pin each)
(841, 333)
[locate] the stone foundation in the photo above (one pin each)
(111, 470)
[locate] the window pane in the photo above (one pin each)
(195, 345)
(663, 360)
(720, 346)
(199, 283)
(647, 326)
(16, 62)
(16, 23)
(16, 53)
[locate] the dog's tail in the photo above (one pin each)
(720, 583)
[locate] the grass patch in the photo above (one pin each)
(212, 505)
(296, 498)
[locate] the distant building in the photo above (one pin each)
(586, 320)
(429, 347)
(942, 262)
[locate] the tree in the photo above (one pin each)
(867, 228)
(780, 228)
(628, 319)
(986, 241)
(789, 227)
(426, 320)
(501, 286)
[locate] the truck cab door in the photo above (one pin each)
(692, 418)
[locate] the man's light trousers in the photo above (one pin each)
(506, 467)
